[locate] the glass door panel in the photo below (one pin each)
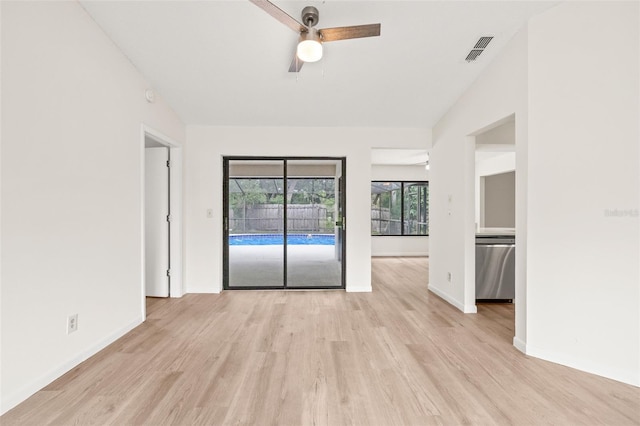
(314, 224)
(254, 226)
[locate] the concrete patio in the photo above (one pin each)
(262, 266)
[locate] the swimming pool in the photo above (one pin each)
(277, 239)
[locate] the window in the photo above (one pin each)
(399, 208)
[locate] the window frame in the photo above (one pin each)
(402, 206)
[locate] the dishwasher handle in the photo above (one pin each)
(495, 241)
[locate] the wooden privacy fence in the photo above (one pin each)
(381, 222)
(269, 218)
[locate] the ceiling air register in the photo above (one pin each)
(479, 47)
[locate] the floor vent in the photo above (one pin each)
(479, 47)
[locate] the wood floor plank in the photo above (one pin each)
(396, 356)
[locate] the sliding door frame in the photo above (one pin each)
(342, 215)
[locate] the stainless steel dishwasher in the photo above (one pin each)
(495, 268)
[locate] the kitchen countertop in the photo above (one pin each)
(495, 232)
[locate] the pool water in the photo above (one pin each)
(277, 239)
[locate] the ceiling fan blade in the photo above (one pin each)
(279, 14)
(296, 64)
(344, 33)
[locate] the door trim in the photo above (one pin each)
(225, 222)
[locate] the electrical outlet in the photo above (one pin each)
(72, 323)
(449, 276)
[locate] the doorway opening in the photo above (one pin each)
(284, 223)
(494, 201)
(162, 218)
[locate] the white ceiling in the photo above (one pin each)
(401, 157)
(225, 62)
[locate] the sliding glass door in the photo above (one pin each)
(284, 223)
(254, 223)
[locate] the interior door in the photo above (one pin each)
(157, 222)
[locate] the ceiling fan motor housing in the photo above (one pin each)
(309, 48)
(310, 16)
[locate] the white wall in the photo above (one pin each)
(1, 133)
(501, 163)
(407, 173)
(498, 94)
(495, 153)
(203, 187)
(406, 245)
(499, 200)
(571, 78)
(583, 278)
(501, 135)
(72, 113)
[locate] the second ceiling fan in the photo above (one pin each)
(310, 43)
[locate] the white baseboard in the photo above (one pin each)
(467, 309)
(470, 309)
(520, 345)
(624, 376)
(402, 254)
(351, 289)
(176, 294)
(203, 290)
(7, 402)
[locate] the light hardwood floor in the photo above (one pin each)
(397, 356)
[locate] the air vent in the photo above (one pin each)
(478, 48)
(483, 42)
(473, 55)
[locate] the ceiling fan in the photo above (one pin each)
(310, 43)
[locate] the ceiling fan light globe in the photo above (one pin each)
(309, 51)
